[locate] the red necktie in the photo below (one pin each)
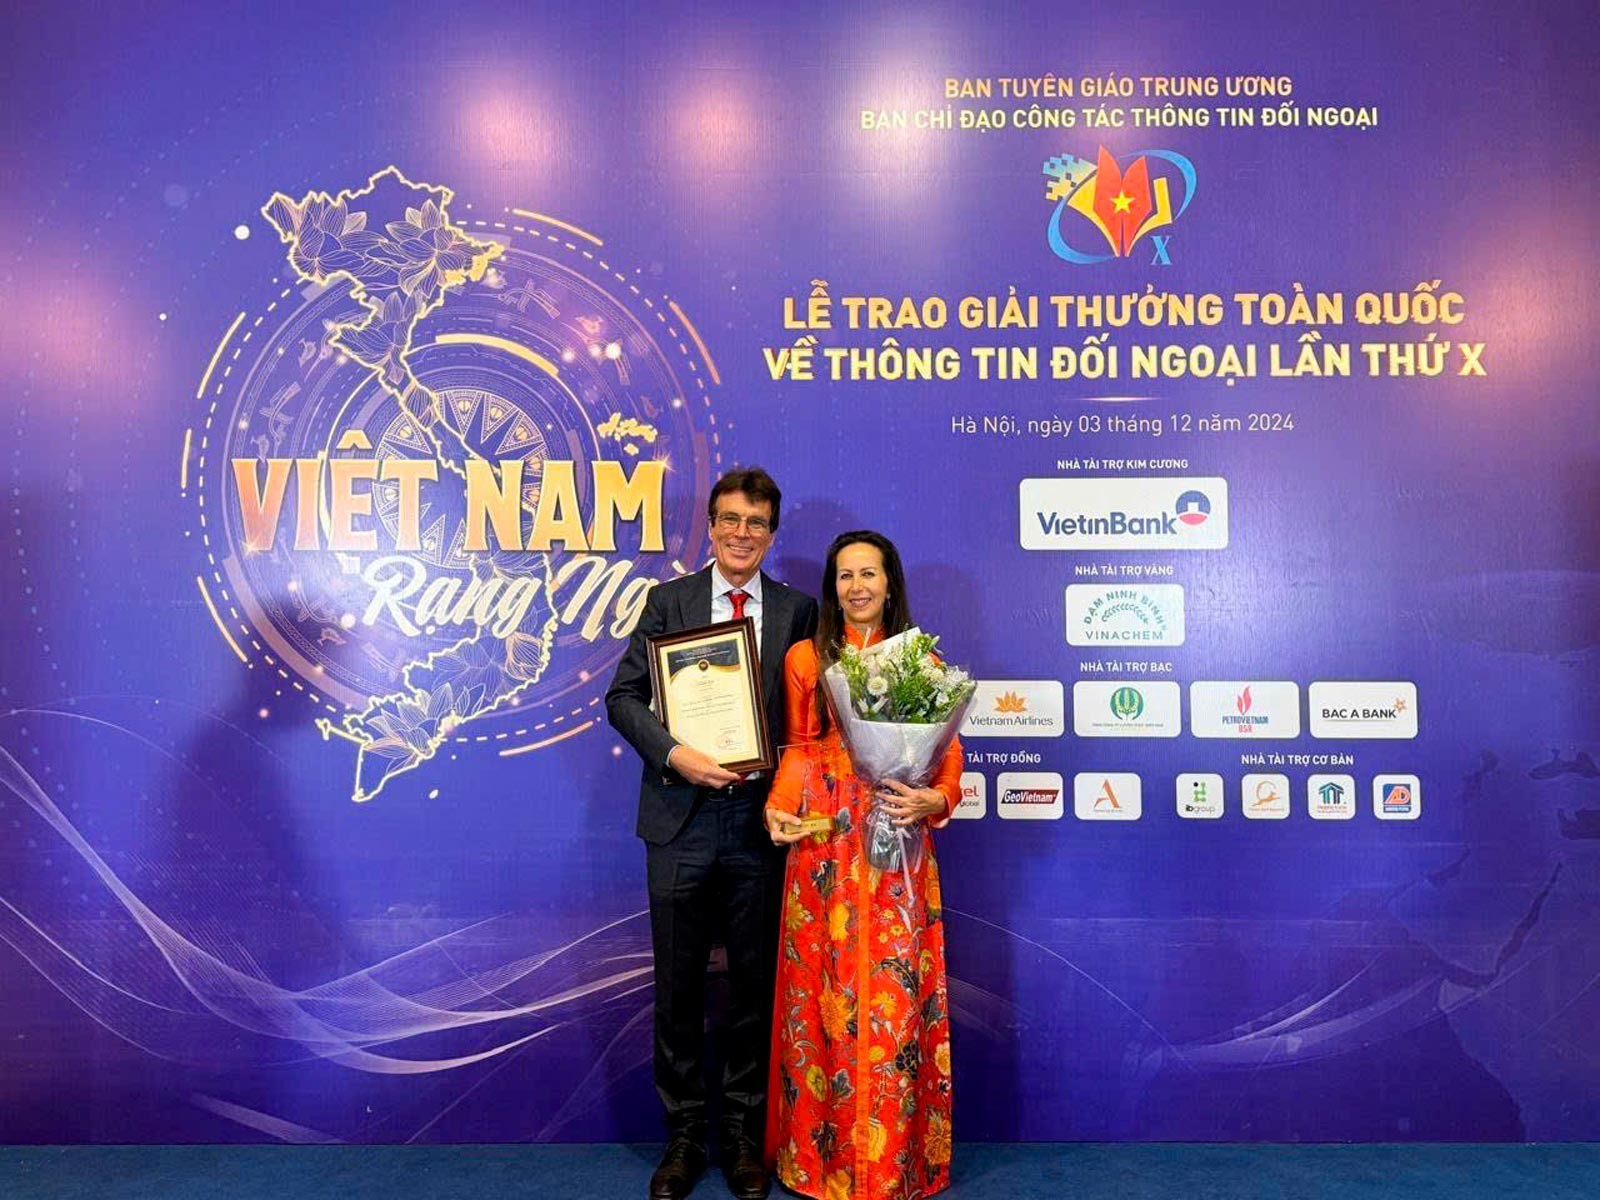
(738, 599)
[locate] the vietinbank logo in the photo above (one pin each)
(1124, 514)
(1107, 208)
(1194, 508)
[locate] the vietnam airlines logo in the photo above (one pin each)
(1010, 702)
(1107, 208)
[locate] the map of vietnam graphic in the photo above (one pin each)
(393, 242)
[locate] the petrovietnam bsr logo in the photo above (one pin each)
(1111, 208)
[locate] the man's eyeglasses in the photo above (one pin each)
(755, 526)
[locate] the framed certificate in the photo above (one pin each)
(707, 687)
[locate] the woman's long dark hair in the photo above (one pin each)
(830, 618)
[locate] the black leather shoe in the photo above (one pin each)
(743, 1169)
(681, 1165)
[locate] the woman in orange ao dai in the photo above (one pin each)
(859, 1101)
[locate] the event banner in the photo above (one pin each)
(1224, 374)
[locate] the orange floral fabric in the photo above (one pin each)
(858, 1107)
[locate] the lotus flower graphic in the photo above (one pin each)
(1010, 702)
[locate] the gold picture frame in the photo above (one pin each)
(708, 694)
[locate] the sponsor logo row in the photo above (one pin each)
(1253, 710)
(1119, 796)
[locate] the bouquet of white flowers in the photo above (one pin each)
(897, 708)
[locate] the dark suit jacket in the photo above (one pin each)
(665, 798)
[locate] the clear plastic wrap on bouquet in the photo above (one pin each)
(880, 750)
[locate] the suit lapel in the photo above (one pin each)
(774, 633)
(697, 604)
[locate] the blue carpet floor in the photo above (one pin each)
(982, 1172)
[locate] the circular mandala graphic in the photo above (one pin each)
(412, 351)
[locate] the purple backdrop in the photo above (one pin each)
(220, 926)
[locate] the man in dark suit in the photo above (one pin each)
(713, 869)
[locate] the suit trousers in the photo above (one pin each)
(720, 878)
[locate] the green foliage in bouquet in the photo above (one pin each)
(902, 680)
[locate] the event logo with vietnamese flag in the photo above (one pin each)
(1112, 207)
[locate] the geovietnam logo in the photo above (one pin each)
(431, 475)
(1107, 208)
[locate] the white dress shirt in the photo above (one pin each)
(722, 610)
(722, 607)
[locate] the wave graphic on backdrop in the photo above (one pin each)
(1396, 991)
(471, 998)
(473, 1001)
(360, 1020)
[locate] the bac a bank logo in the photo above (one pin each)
(1107, 208)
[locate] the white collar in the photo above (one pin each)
(721, 587)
